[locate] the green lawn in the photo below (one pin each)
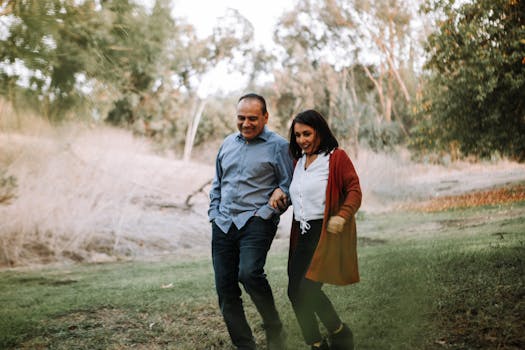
(448, 280)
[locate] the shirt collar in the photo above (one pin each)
(264, 135)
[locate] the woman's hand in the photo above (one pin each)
(278, 200)
(335, 224)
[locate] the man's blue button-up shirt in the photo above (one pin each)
(246, 174)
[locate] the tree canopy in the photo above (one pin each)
(475, 92)
(60, 52)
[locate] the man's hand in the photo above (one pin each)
(278, 200)
(335, 224)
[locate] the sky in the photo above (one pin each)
(263, 15)
(203, 14)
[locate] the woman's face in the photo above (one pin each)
(306, 137)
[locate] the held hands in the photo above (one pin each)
(335, 224)
(278, 200)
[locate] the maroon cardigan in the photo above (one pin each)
(335, 258)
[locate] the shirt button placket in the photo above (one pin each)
(242, 164)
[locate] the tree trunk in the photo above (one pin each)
(191, 132)
(379, 87)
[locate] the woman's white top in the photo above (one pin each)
(308, 190)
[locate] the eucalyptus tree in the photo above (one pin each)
(383, 35)
(193, 57)
(308, 77)
(328, 46)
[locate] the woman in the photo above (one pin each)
(325, 195)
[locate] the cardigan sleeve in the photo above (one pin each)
(351, 190)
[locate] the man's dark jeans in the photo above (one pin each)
(239, 256)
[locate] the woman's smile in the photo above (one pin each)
(306, 138)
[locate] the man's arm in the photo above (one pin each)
(215, 190)
(284, 172)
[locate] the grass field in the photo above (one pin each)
(445, 280)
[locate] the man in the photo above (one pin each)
(252, 167)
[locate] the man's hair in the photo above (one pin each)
(255, 97)
(315, 120)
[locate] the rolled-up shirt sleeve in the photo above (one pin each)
(284, 167)
(283, 172)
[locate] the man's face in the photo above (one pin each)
(250, 118)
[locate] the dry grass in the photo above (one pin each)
(508, 194)
(98, 194)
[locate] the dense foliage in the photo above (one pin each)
(63, 51)
(113, 60)
(474, 98)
